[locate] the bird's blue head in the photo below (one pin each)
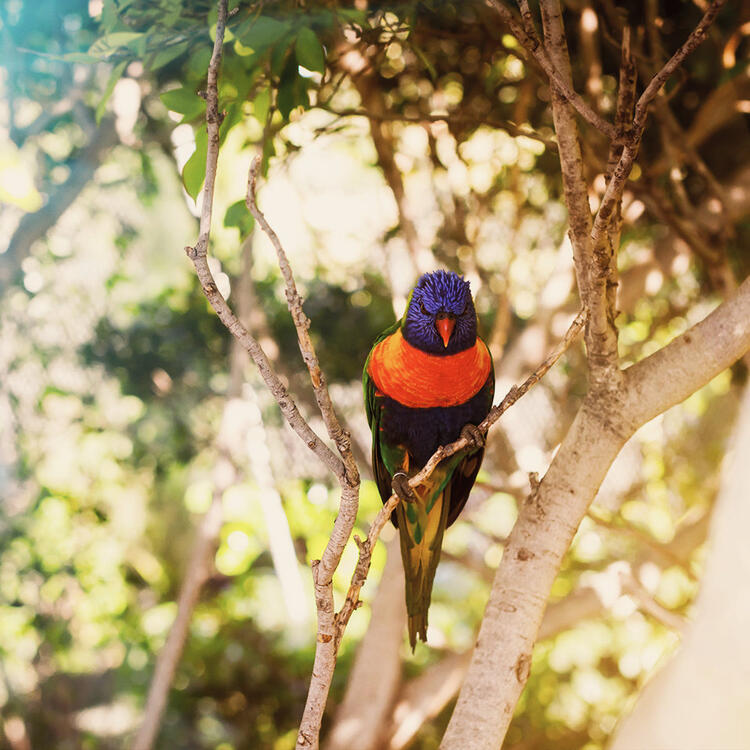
(441, 318)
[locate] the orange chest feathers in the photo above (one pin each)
(420, 380)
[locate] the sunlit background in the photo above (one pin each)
(124, 407)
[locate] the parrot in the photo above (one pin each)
(428, 380)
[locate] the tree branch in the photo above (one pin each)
(453, 117)
(302, 324)
(526, 35)
(330, 627)
(376, 673)
(594, 263)
(691, 43)
(34, 226)
(613, 193)
(549, 518)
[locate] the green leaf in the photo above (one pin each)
(170, 15)
(167, 54)
(309, 51)
(261, 105)
(197, 64)
(184, 101)
(194, 171)
(280, 56)
(243, 51)
(114, 77)
(260, 33)
(353, 16)
(286, 99)
(237, 215)
(269, 150)
(109, 16)
(110, 43)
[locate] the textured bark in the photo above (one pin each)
(681, 707)
(375, 676)
(594, 259)
(424, 697)
(526, 34)
(343, 466)
(531, 559)
(552, 513)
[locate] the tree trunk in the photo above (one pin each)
(549, 518)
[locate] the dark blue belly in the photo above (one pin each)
(422, 431)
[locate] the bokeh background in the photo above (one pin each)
(124, 405)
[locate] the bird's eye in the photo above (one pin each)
(423, 308)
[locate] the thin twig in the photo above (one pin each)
(619, 525)
(616, 185)
(454, 117)
(365, 547)
(327, 641)
(302, 324)
(691, 43)
(531, 42)
(648, 604)
(593, 264)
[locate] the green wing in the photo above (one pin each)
(385, 459)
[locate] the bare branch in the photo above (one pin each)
(646, 602)
(329, 631)
(376, 673)
(198, 255)
(169, 656)
(594, 264)
(509, 126)
(198, 568)
(530, 41)
(344, 468)
(616, 185)
(302, 324)
(691, 43)
(549, 518)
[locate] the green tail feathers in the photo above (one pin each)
(421, 527)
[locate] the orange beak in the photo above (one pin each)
(445, 328)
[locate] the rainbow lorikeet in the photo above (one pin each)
(428, 380)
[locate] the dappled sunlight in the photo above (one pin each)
(129, 418)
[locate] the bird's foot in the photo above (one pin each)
(400, 485)
(473, 435)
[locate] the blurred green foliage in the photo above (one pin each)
(116, 378)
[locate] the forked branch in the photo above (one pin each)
(613, 193)
(528, 38)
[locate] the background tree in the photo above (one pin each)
(411, 135)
